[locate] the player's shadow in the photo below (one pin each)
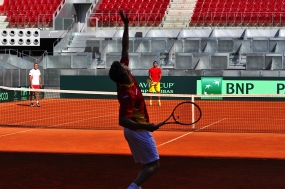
(23, 105)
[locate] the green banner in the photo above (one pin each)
(11, 95)
(218, 85)
(168, 85)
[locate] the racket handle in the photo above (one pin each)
(159, 124)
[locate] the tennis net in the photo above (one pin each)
(68, 109)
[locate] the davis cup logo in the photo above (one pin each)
(211, 85)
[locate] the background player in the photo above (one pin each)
(35, 83)
(133, 115)
(155, 75)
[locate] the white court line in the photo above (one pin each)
(16, 133)
(84, 119)
(190, 133)
(68, 114)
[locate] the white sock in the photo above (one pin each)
(37, 102)
(133, 186)
(158, 100)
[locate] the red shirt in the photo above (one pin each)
(132, 104)
(154, 74)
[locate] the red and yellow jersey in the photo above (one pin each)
(154, 73)
(132, 104)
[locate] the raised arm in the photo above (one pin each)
(125, 40)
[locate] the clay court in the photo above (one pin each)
(40, 157)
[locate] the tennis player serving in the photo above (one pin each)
(133, 115)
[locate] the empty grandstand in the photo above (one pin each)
(226, 38)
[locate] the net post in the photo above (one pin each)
(193, 113)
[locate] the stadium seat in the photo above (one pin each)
(92, 22)
(143, 19)
(54, 7)
(143, 7)
(136, 7)
(106, 20)
(151, 18)
(282, 19)
(246, 17)
(117, 6)
(194, 20)
(113, 19)
(31, 9)
(12, 22)
(1, 10)
(103, 6)
(134, 19)
(32, 21)
(207, 20)
(254, 19)
(126, 6)
(48, 21)
(216, 20)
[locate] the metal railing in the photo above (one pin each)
(97, 20)
(63, 40)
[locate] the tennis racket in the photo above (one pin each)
(151, 83)
(185, 113)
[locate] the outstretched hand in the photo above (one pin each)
(125, 19)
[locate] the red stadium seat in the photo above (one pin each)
(103, 6)
(143, 6)
(105, 1)
(254, 19)
(282, 18)
(12, 22)
(106, 20)
(134, 19)
(136, 7)
(125, 7)
(49, 21)
(276, 19)
(32, 21)
(216, 20)
(113, 20)
(100, 19)
(60, 1)
(268, 20)
(194, 20)
(261, 19)
(110, 7)
(1, 9)
(230, 19)
(199, 4)
(151, 18)
(143, 19)
(92, 22)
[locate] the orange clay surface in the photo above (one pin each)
(232, 156)
(66, 158)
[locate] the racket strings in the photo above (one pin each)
(185, 113)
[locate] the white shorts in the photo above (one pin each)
(142, 146)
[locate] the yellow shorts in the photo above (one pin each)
(154, 87)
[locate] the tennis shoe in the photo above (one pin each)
(31, 104)
(38, 105)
